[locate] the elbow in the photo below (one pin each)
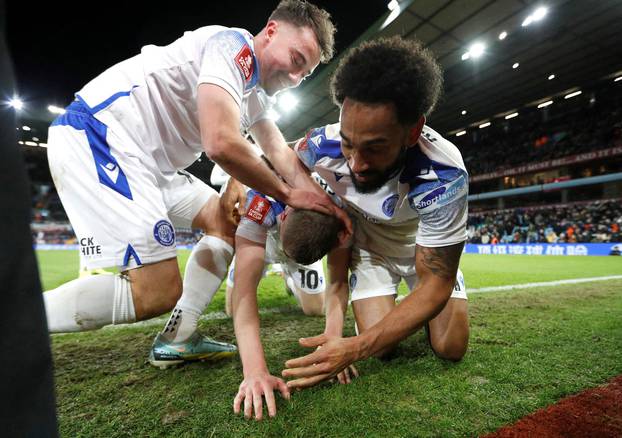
(214, 152)
(217, 147)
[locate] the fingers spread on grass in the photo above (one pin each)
(237, 401)
(248, 403)
(303, 361)
(257, 403)
(307, 382)
(270, 402)
(283, 389)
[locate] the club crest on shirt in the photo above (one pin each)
(258, 209)
(244, 61)
(388, 206)
(164, 233)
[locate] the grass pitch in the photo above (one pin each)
(528, 349)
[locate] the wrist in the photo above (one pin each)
(363, 345)
(255, 370)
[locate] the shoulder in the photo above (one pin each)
(433, 159)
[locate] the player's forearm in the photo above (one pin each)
(246, 324)
(236, 157)
(426, 301)
(336, 306)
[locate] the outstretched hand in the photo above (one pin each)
(324, 363)
(251, 391)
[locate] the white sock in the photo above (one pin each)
(89, 303)
(205, 271)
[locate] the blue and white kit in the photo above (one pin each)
(424, 204)
(261, 224)
(115, 154)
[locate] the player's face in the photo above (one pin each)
(374, 143)
(290, 55)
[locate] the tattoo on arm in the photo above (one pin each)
(441, 261)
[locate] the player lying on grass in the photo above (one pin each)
(406, 188)
(303, 237)
(116, 152)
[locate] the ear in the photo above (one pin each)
(415, 132)
(271, 29)
(343, 239)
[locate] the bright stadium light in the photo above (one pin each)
(43, 145)
(551, 77)
(515, 65)
(539, 13)
(619, 78)
(484, 125)
(461, 133)
(20, 142)
(393, 5)
(503, 35)
(463, 112)
(476, 50)
(35, 139)
(287, 101)
(511, 116)
(576, 93)
(55, 109)
(16, 103)
(545, 104)
(30, 143)
(26, 128)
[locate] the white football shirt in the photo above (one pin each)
(425, 203)
(152, 96)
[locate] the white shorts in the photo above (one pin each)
(308, 279)
(373, 275)
(120, 209)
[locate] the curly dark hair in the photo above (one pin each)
(390, 70)
(303, 13)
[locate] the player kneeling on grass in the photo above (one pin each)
(406, 188)
(305, 237)
(115, 154)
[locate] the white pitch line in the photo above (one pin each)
(221, 315)
(543, 284)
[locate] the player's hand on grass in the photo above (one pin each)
(251, 391)
(319, 201)
(233, 201)
(327, 362)
(347, 374)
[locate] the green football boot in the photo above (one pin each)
(164, 354)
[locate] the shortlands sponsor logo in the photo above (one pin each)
(441, 196)
(244, 61)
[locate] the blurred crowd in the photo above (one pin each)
(589, 122)
(594, 222)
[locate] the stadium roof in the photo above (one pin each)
(578, 41)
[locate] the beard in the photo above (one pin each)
(376, 178)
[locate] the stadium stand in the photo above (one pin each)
(591, 222)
